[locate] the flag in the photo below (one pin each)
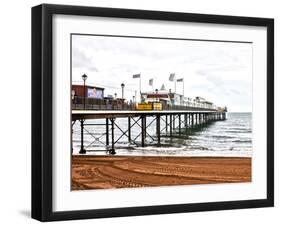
(136, 76)
(163, 87)
(172, 77)
(151, 82)
(180, 80)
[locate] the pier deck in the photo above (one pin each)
(94, 114)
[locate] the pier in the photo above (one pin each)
(174, 123)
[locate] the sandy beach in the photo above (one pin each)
(100, 172)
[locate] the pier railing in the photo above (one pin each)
(79, 103)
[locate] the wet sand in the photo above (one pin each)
(100, 172)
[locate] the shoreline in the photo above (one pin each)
(190, 155)
(105, 172)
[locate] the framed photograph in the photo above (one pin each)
(145, 112)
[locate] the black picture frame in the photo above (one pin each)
(42, 111)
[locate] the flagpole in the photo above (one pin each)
(183, 87)
(139, 77)
(151, 83)
(172, 78)
(140, 88)
(183, 91)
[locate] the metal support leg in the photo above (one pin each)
(145, 126)
(129, 129)
(166, 121)
(158, 128)
(112, 151)
(72, 124)
(82, 149)
(107, 132)
(142, 131)
(179, 124)
(171, 126)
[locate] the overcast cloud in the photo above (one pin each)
(220, 72)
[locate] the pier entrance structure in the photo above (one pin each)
(164, 123)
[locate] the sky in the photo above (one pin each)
(220, 72)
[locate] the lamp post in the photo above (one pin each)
(122, 86)
(156, 91)
(134, 103)
(84, 77)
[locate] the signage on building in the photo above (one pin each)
(95, 93)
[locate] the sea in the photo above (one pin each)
(228, 138)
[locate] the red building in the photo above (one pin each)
(89, 91)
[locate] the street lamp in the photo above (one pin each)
(122, 86)
(84, 77)
(156, 91)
